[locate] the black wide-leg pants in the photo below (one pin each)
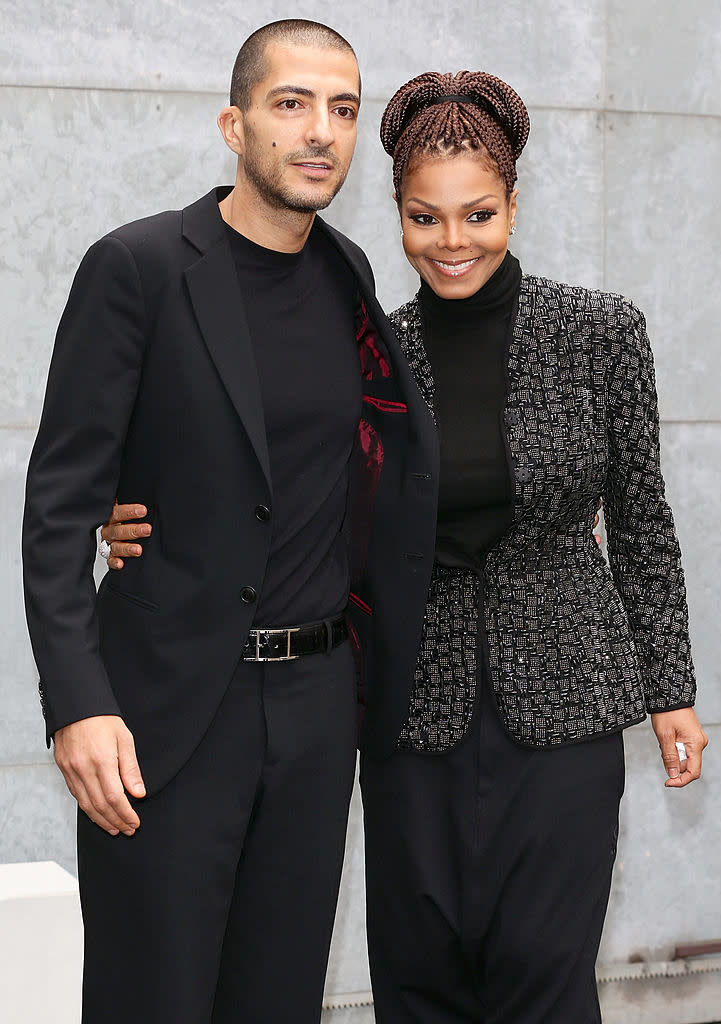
(220, 908)
(488, 872)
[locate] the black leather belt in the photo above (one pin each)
(291, 643)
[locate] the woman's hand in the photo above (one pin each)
(119, 533)
(682, 726)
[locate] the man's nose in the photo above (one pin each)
(319, 131)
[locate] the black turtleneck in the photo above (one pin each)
(467, 341)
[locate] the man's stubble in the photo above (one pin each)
(266, 176)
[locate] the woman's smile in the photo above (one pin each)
(454, 268)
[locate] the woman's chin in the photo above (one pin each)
(455, 287)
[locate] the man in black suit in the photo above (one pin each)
(234, 351)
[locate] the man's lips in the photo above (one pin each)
(314, 168)
(454, 268)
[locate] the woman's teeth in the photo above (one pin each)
(454, 268)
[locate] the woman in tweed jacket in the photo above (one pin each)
(491, 830)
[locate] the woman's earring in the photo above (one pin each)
(513, 229)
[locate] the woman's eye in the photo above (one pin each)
(481, 216)
(422, 218)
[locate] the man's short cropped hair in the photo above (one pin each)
(251, 66)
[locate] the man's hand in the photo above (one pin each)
(97, 758)
(682, 726)
(119, 533)
(595, 521)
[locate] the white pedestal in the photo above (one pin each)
(41, 944)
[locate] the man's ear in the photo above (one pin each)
(230, 122)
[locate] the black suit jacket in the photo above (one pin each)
(153, 396)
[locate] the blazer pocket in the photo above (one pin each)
(141, 602)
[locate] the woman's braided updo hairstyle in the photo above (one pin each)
(484, 113)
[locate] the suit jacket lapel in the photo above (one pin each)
(392, 337)
(218, 304)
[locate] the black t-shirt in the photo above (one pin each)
(467, 341)
(300, 313)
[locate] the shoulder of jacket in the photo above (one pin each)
(149, 232)
(402, 317)
(606, 309)
(340, 236)
(344, 242)
(155, 246)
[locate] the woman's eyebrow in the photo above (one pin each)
(423, 202)
(475, 202)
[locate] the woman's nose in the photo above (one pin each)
(454, 237)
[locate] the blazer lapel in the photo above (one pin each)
(393, 337)
(218, 304)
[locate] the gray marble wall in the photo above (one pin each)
(107, 113)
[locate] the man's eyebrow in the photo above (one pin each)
(301, 90)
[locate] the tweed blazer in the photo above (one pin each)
(574, 645)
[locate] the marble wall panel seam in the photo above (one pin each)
(131, 90)
(604, 180)
(599, 108)
(380, 98)
(30, 763)
(637, 111)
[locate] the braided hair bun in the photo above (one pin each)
(471, 109)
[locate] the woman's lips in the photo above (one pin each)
(450, 269)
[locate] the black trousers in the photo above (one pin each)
(488, 872)
(220, 908)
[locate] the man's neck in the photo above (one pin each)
(282, 229)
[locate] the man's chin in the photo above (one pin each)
(309, 200)
(309, 203)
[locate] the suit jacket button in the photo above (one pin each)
(262, 512)
(524, 474)
(248, 595)
(511, 417)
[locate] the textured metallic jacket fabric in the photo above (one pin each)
(575, 647)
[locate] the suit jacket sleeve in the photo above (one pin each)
(72, 478)
(643, 549)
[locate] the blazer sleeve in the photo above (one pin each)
(72, 477)
(643, 549)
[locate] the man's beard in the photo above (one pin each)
(268, 180)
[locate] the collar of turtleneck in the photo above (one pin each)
(498, 293)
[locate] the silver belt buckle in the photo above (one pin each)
(275, 632)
